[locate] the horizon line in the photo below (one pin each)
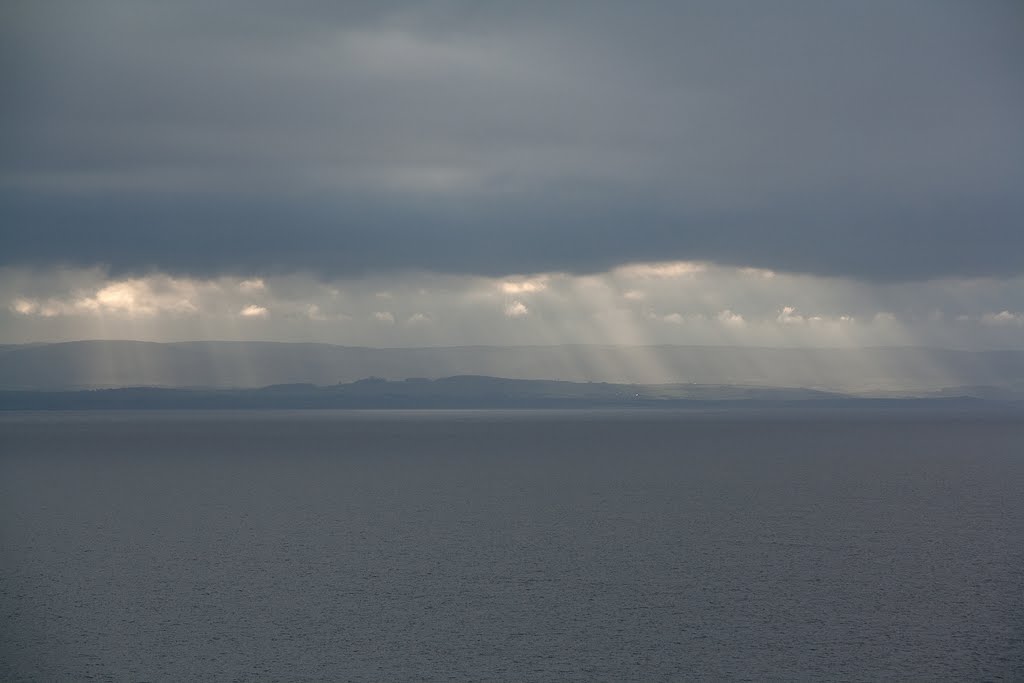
(907, 347)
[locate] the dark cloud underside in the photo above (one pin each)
(878, 140)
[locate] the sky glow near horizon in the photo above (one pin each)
(676, 302)
(451, 173)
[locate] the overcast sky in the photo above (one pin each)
(389, 173)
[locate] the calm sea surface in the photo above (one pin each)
(510, 546)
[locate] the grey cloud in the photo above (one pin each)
(875, 140)
(640, 304)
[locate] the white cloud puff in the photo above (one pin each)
(252, 285)
(731, 319)
(24, 306)
(674, 318)
(313, 312)
(132, 298)
(789, 316)
(516, 309)
(526, 286)
(254, 311)
(1004, 318)
(668, 269)
(418, 319)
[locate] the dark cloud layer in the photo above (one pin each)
(878, 140)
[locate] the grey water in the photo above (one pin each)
(510, 546)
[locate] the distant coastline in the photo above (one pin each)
(878, 372)
(462, 392)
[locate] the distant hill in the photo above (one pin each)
(479, 392)
(105, 364)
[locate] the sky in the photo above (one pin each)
(447, 173)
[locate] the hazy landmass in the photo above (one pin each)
(484, 392)
(876, 372)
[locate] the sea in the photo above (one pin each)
(606, 545)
